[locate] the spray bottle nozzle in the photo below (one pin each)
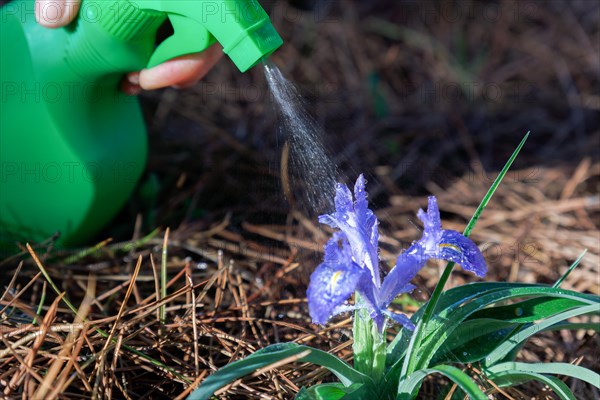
(242, 27)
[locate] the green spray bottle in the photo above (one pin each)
(72, 146)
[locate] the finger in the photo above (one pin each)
(181, 71)
(56, 13)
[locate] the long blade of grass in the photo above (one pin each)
(484, 330)
(472, 340)
(446, 322)
(571, 268)
(450, 299)
(130, 246)
(506, 347)
(408, 387)
(86, 252)
(529, 310)
(573, 326)
(410, 362)
(479, 296)
(571, 370)
(331, 391)
(163, 277)
(526, 311)
(274, 354)
(516, 377)
(41, 303)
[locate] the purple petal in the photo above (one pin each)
(332, 282)
(360, 194)
(369, 293)
(343, 199)
(408, 264)
(455, 247)
(359, 224)
(364, 216)
(366, 228)
(431, 220)
(328, 220)
(337, 249)
(402, 320)
(432, 223)
(343, 208)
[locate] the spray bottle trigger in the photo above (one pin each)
(189, 37)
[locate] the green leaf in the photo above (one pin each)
(273, 354)
(478, 335)
(440, 328)
(573, 326)
(369, 346)
(494, 187)
(510, 368)
(331, 391)
(472, 340)
(515, 377)
(528, 310)
(514, 341)
(409, 387)
(449, 300)
(458, 305)
(570, 269)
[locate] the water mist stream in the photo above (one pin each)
(309, 164)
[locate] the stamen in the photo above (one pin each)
(335, 278)
(453, 247)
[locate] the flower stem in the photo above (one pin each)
(369, 345)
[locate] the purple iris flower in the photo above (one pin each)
(351, 262)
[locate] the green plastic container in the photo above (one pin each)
(72, 147)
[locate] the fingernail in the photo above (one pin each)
(55, 13)
(134, 78)
(151, 78)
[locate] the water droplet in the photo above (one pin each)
(518, 311)
(202, 266)
(465, 353)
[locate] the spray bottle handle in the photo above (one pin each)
(176, 45)
(241, 26)
(114, 36)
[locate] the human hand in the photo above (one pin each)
(180, 72)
